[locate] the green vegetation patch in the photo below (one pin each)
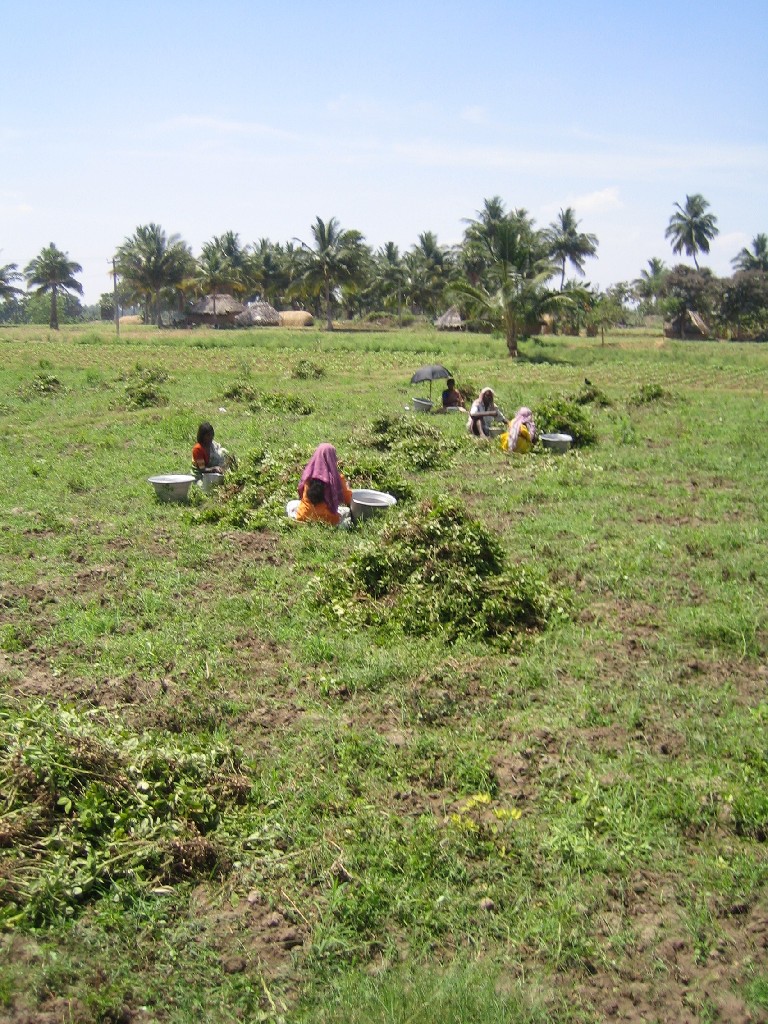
(411, 441)
(90, 809)
(42, 385)
(143, 387)
(564, 415)
(435, 569)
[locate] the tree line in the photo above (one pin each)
(505, 274)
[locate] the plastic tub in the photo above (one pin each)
(209, 480)
(370, 503)
(422, 404)
(171, 486)
(557, 442)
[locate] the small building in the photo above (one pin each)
(450, 320)
(258, 314)
(217, 310)
(687, 325)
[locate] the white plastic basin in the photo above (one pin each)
(172, 486)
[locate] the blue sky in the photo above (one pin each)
(396, 118)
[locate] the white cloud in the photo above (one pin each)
(474, 115)
(600, 201)
(221, 126)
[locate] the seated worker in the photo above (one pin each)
(208, 455)
(452, 397)
(521, 433)
(482, 411)
(322, 489)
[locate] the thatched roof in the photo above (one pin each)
(258, 314)
(691, 326)
(225, 305)
(296, 318)
(450, 320)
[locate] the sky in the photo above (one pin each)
(395, 118)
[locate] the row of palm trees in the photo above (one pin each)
(502, 272)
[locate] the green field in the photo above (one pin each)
(499, 755)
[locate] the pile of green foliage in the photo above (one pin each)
(647, 393)
(305, 369)
(567, 416)
(412, 441)
(91, 809)
(143, 387)
(42, 385)
(434, 569)
(271, 401)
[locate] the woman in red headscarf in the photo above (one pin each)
(322, 489)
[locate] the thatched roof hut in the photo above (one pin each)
(296, 318)
(688, 325)
(258, 314)
(450, 320)
(217, 310)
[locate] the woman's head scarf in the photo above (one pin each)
(323, 466)
(484, 391)
(522, 416)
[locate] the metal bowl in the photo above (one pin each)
(557, 442)
(367, 503)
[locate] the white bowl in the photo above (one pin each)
(171, 486)
(209, 480)
(557, 442)
(367, 503)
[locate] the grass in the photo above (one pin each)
(277, 773)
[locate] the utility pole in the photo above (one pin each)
(114, 292)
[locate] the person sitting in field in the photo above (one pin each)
(521, 433)
(207, 455)
(322, 489)
(482, 411)
(452, 397)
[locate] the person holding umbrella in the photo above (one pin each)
(452, 398)
(482, 412)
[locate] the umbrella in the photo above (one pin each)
(432, 372)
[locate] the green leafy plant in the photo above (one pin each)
(437, 570)
(305, 369)
(90, 808)
(562, 415)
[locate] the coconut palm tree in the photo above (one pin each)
(754, 259)
(569, 245)
(53, 272)
(149, 262)
(650, 286)
(391, 276)
(338, 258)
(513, 290)
(9, 273)
(691, 228)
